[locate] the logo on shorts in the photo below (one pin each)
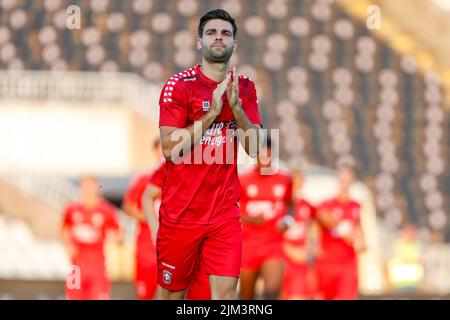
(167, 277)
(206, 106)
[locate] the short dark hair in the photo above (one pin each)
(216, 14)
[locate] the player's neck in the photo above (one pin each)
(91, 202)
(214, 71)
(343, 197)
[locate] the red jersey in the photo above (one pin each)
(136, 189)
(202, 193)
(334, 248)
(146, 266)
(134, 196)
(304, 212)
(139, 184)
(88, 227)
(266, 195)
(157, 177)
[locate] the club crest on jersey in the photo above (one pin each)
(167, 277)
(206, 106)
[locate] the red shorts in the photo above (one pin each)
(146, 267)
(180, 246)
(337, 281)
(299, 281)
(199, 288)
(90, 283)
(254, 254)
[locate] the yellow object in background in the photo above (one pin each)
(405, 269)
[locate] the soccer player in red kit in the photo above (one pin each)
(199, 213)
(265, 201)
(142, 201)
(299, 249)
(150, 184)
(341, 240)
(198, 288)
(87, 224)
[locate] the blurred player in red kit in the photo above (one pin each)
(300, 248)
(87, 225)
(142, 201)
(341, 239)
(265, 201)
(148, 185)
(199, 213)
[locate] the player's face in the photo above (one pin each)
(345, 177)
(89, 188)
(217, 43)
(409, 233)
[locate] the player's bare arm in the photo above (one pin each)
(359, 242)
(114, 232)
(242, 121)
(326, 219)
(114, 236)
(288, 220)
(149, 208)
(258, 220)
(355, 238)
(196, 131)
(148, 200)
(132, 210)
(296, 253)
(71, 249)
(312, 241)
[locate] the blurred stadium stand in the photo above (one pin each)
(337, 92)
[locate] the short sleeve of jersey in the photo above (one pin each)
(67, 216)
(111, 218)
(251, 105)
(313, 211)
(288, 195)
(173, 105)
(356, 213)
(134, 192)
(157, 177)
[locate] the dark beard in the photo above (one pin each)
(220, 58)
